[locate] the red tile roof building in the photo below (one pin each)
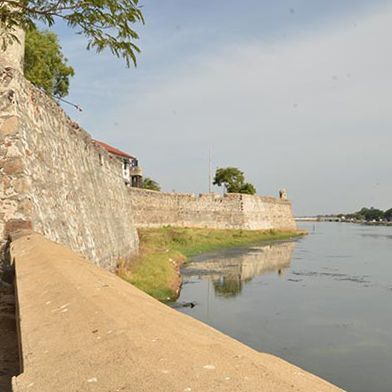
(131, 171)
(114, 150)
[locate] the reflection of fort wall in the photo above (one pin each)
(266, 259)
(245, 266)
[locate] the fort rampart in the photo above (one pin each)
(232, 211)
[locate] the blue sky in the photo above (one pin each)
(295, 93)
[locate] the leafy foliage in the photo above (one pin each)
(45, 66)
(107, 24)
(233, 180)
(388, 214)
(248, 188)
(149, 183)
(371, 214)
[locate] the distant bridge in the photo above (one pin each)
(329, 218)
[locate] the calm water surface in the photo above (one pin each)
(323, 302)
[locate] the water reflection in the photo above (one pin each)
(230, 270)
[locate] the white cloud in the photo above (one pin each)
(312, 114)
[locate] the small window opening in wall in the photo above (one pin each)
(100, 159)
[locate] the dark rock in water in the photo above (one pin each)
(183, 305)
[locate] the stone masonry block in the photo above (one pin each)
(12, 166)
(25, 207)
(9, 126)
(14, 225)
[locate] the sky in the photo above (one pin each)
(297, 94)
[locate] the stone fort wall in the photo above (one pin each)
(232, 211)
(55, 180)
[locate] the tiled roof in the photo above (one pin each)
(113, 150)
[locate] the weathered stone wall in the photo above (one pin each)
(55, 180)
(232, 211)
(13, 55)
(267, 213)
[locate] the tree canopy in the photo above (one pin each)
(45, 65)
(233, 180)
(149, 183)
(106, 24)
(370, 214)
(388, 214)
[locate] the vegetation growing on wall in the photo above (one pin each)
(163, 250)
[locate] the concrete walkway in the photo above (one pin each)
(84, 329)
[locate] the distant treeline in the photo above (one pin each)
(369, 214)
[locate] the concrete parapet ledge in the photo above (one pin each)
(84, 329)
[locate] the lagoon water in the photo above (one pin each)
(323, 302)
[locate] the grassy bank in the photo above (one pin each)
(163, 250)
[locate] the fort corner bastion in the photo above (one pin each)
(55, 180)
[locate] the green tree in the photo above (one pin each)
(230, 177)
(388, 214)
(149, 183)
(45, 65)
(370, 214)
(106, 24)
(233, 180)
(248, 188)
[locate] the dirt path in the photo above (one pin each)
(9, 362)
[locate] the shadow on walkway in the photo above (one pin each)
(9, 352)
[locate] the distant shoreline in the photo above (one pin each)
(339, 220)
